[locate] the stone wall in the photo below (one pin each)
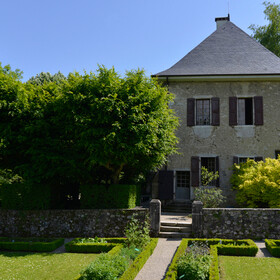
(240, 223)
(67, 223)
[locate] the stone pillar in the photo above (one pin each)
(197, 207)
(155, 211)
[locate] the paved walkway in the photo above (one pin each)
(157, 265)
(263, 252)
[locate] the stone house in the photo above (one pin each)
(227, 96)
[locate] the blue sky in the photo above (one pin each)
(51, 36)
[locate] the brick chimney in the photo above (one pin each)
(221, 20)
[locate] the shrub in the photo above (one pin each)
(257, 183)
(106, 267)
(136, 233)
(195, 263)
(273, 246)
(30, 244)
(210, 197)
(108, 197)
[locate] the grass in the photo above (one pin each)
(249, 268)
(43, 266)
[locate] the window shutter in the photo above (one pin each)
(232, 111)
(195, 171)
(190, 112)
(215, 111)
(235, 160)
(217, 169)
(258, 158)
(258, 103)
(165, 184)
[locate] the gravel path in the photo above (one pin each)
(157, 265)
(61, 249)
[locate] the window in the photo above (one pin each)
(277, 153)
(183, 179)
(246, 111)
(242, 159)
(211, 163)
(203, 112)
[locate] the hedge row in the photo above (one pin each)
(30, 245)
(230, 247)
(109, 197)
(139, 262)
(273, 246)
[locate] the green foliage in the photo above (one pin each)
(195, 263)
(244, 247)
(208, 176)
(7, 70)
(273, 246)
(88, 129)
(257, 183)
(30, 245)
(137, 234)
(269, 35)
(108, 196)
(139, 262)
(106, 267)
(24, 196)
(47, 77)
(210, 197)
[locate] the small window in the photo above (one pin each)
(183, 179)
(277, 153)
(244, 159)
(245, 111)
(203, 112)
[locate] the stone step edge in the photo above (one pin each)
(174, 235)
(175, 224)
(176, 229)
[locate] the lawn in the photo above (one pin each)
(249, 268)
(22, 265)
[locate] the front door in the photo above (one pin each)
(182, 185)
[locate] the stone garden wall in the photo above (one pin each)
(240, 223)
(67, 223)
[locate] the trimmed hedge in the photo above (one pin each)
(109, 197)
(230, 247)
(273, 246)
(139, 262)
(30, 245)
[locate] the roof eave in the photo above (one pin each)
(220, 77)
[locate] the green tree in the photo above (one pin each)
(257, 183)
(46, 77)
(89, 129)
(269, 35)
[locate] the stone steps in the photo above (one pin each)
(175, 230)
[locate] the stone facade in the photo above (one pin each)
(67, 223)
(225, 141)
(240, 223)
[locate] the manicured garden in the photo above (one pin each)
(223, 259)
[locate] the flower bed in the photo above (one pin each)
(30, 244)
(228, 247)
(273, 246)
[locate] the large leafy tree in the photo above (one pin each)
(269, 35)
(86, 129)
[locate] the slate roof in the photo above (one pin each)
(227, 51)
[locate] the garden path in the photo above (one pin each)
(157, 265)
(61, 249)
(263, 252)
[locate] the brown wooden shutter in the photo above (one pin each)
(232, 110)
(258, 104)
(215, 111)
(195, 171)
(235, 160)
(258, 158)
(218, 169)
(190, 112)
(165, 184)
